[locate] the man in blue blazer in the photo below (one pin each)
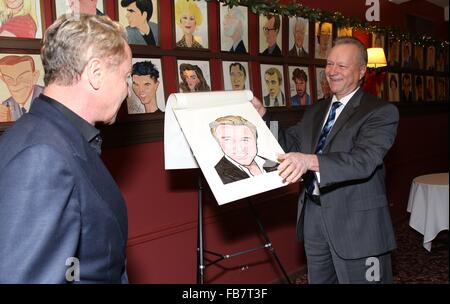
(62, 216)
(338, 148)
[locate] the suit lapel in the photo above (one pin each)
(348, 111)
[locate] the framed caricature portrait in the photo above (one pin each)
(236, 75)
(147, 87)
(191, 24)
(419, 88)
(23, 23)
(440, 60)
(406, 90)
(22, 79)
(299, 86)
(193, 76)
(78, 6)
(324, 35)
(407, 61)
(441, 89)
(431, 51)
(270, 37)
(272, 83)
(418, 57)
(140, 19)
(393, 52)
(234, 29)
(429, 89)
(323, 90)
(345, 32)
(298, 37)
(378, 40)
(393, 87)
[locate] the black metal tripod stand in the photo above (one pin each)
(220, 257)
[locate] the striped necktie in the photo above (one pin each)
(323, 137)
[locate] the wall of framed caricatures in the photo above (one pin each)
(185, 46)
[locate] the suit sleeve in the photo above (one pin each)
(372, 142)
(289, 139)
(40, 217)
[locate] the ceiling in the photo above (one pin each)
(441, 3)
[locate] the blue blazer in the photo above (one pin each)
(57, 202)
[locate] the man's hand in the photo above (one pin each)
(258, 106)
(5, 113)
(294, 165)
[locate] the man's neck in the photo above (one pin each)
(25, 103)
(73, 98)
(144, 28)
(151, 106)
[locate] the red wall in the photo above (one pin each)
(162, 205)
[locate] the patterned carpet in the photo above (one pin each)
(411, 263)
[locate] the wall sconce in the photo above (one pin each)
(373, 78)
(376, 58)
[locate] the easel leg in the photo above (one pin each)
(200, 259)
(268, 242)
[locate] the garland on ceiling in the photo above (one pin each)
(264, 7)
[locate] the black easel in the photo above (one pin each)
(200, 250)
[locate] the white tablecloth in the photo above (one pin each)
(428, 205)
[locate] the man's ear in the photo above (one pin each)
(94, 71)
(362, 71)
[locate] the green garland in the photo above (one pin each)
(264, 7)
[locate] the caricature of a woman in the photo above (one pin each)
(188, 17)
(17, 18)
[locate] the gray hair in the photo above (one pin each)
(356, 42)
(71, 41)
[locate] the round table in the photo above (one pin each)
(428, 204)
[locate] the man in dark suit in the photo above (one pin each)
(233, 27)
(343, 214)
(237, 137)
(300, 28)
(62, 216)
(271, 30)
(274, 81)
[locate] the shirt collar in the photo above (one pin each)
(258, 160)
(344, 100)
(88, 131)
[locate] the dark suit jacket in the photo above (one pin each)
(57, 201)
(276, 51)
(293, 52)
(240, 48)
(229, 173)
(267, 100)
(352, 186)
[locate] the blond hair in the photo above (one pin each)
(232, 120)
(190, 7)
(71, 41)
(29, 7)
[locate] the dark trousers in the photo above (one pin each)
(324, 264)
